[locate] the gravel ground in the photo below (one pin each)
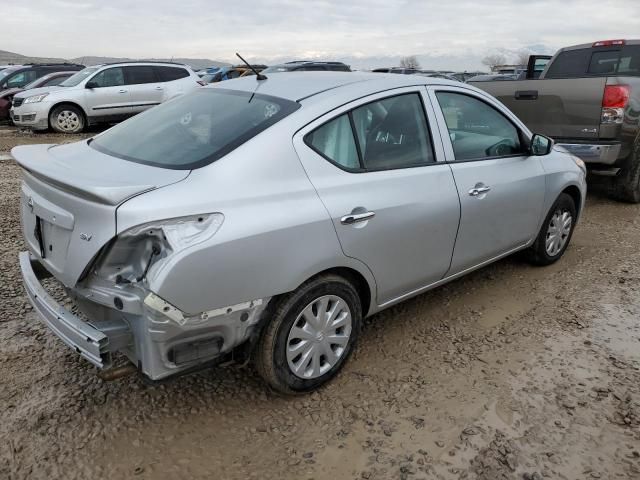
(512, 372)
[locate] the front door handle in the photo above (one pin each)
(158, 88)
(356, 217)
(122, 91)
(479, 190)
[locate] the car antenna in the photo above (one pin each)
(259, 76)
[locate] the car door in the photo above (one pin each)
(501, 186)
(376, 165)
(108, 96)
(145, 88)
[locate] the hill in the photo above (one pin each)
(195, 63)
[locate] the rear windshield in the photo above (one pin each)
(600, 61)
(193, 130)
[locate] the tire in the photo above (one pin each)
(280, 348)
(626, 186)
(67, 119)
(541, 253)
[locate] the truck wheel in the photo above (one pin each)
(309, 336)
(555, 233)
(67, 119)
(626, 186)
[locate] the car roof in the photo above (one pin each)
(298, 86)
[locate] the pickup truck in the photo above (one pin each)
(587, 98)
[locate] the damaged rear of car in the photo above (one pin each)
(135, 238)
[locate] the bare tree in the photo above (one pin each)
(493, 60)
(409, 62)
(522, 57)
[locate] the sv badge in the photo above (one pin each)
(86, 237)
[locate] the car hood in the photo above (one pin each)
(10, 92)
(84, 171)
(37, 91)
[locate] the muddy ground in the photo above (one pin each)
(513, 372)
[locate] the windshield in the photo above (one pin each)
(77, 78)
(195, 129)
(6, 72)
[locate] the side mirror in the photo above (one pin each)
(540, 145)
(91, 84)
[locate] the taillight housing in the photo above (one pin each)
(614, 101)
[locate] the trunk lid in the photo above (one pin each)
(69, 198)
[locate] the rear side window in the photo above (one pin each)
(194, 129)
(140, 75)
(168, 74)
(571, 63)
(382, 135)
(334, 141)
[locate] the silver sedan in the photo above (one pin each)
(263, 219)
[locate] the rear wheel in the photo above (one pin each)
(626, 186)
(310, 335)
(67, 119)
(555, 233)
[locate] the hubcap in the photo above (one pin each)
(558, 232)
(319, 337)
(68, 120)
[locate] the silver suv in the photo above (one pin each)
(102, 93)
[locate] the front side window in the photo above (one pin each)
(477, 130)
(193, 130)
(382, 135)
(111, 77)
(21, 79)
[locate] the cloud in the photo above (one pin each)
(465, 30)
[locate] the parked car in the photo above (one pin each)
(445, 76)
(229, 73)
(586, 98)
(17, 76)
(492, 78)
(266, 222)
(308, 66)
(49, 80)
(464, 76)
(103, 93)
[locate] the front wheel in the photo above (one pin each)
(310, 335)
(555, 233)
(67, 119)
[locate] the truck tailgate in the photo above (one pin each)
(560, 108)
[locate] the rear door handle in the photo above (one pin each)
(526, 95)
(356, 217)
(122, 91)
(158, 88)
(475, 191)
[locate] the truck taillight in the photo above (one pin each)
(614, 101)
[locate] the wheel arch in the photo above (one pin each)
(574, 192)
(73, 104)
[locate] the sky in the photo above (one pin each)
(367, 33)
